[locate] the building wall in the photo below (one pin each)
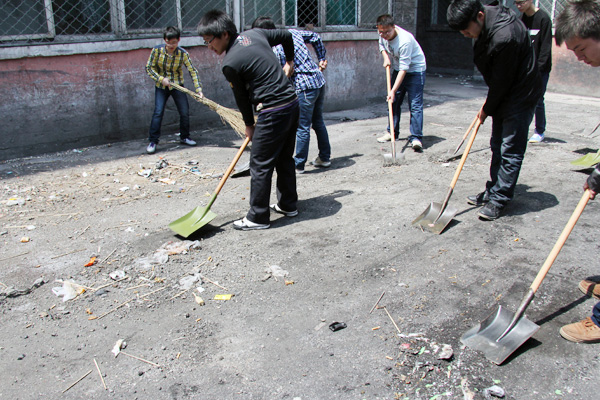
(63, 102)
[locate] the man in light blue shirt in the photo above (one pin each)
(402, 52)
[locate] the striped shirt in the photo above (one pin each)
(163, 65)
(306, 72)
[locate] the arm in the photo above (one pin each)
(193, 73)
(151, 66)
(242, 97)
(545, 40)
(315, 40)
(397, 83)
(284, 38)
(504, 71)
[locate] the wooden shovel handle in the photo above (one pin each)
(561, 241)
(463, 159)
(390, 110)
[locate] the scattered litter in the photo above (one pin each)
(446, 352)
(145, 173)
(30, 227)
(69, 289)
(121, 344)
(117, 274)
(179, 247)
(289, 282)
(336, 326)
(495, 391)
(130, 229)
(192, 162)
(276, 271)
(9, 291)
(320, 325)
(376, 328)
(124, 188)
(25, 239)
(198, 299)
(15, 201)
(187, 282)
(167, 181)
(161, 164)
(91, 262)
(223, 296)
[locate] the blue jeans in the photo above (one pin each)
(596, 314)
(160, 100)
(508, 143)
(311, 113)
(412, 84)
(540, 108)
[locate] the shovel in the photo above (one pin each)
(390, 159)
(465, 135)
(587, 161)
(201, 216)
(436, 217)
(502, 332)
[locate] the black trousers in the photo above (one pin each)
(273, 150)
(508, 143)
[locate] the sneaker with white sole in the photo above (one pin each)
(151, 149)
(536, 138)
(320, 163)
(187, 142)
(275, 207)
(416, 145)
(245, 224)
(385, 138)
(299, 171)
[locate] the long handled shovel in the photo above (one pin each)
(502, 332)
(390, 159)
(201, 216)
(466, 134)
(437, 216)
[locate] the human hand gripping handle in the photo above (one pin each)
(593, 183)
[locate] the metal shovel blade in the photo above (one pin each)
(192, 221)
(484, 336)
(427, 220)
(241, 170)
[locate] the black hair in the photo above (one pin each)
(171, 32)
(264, 23)
(580, 18)
(385, 20)
(461, 12)
(216, 23)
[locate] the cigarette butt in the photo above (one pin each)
(374, 329)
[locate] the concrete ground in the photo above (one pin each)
(352, 241)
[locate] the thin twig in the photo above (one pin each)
(393, 322)
(18, 255)
(116, 308)
(138, 286)
(106, 258)
(214, 283)
(380, 297)
(110, 283)
(66, 254)
(180, 293)
(157, 290)
(100, 373)
(83, 231)
(78, 380)
(141, 359)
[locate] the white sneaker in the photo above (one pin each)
(151, 148)
(187, 141)
(320, 163)
(536, 138)
(416, 144)
(385, 138)
(275, 207)
(245, 224)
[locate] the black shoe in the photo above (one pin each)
(479, 200)
(489, 212)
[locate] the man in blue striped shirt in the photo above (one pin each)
(309, 82)
(165, 66)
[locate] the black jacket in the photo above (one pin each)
(254, 72)
(504, 55)
(540, 30)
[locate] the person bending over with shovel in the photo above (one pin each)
(256, 77)
(578, 26)
(504, 55)
(401, 51)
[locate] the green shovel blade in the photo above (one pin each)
(587, 161)
(192, 221)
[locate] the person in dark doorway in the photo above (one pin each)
(578, 26)
(504, 55)
(309, 82)
(165, 66)
(402, 52)
(540, 30)
(256, 77)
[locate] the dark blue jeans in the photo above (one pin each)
(596, 314)
(540, 108)
(412, 85)
(311, 113)
(160, 100)
(273, 149)
(508, 143)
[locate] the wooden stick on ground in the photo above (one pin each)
(380, 297)
(393, 322)
(78, 380)
(214, 283)
(140, 359)
(100, 373)
(17, 255)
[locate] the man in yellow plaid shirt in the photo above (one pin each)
(165, 66)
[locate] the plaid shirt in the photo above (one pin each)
(306, 72)
(162, 65)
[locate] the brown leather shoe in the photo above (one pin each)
(585, 331)
(590, 288)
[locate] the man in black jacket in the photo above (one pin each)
(256, 77)
(504, 55)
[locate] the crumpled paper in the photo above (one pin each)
(69, 290)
